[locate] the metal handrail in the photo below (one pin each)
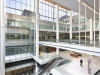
(53, 58)
(46, 65)
(50, 61)
(58, 63)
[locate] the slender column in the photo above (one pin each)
(85, 25)
(37, 28)
(99, 22)
(46, 37)
(91, 32)
(94, 23)
(79, 23)
(66, 21)
(90, 65)
(70, 25)
(53, 19)
(57, 28)
(2, 38)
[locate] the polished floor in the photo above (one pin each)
(74, 66)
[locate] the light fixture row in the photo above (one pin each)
(87, 6)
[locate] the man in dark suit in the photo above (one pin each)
(81, 62)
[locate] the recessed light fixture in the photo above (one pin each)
(87, 6)
(90, 8)
(84, 4)
(78, 0)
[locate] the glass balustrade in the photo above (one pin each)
(45, 26)
(31, 25)
(13, 50)
(82, 42)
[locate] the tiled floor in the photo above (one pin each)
(74, 66)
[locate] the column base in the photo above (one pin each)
(57, 51)
(91, 41)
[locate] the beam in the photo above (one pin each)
(52, 2)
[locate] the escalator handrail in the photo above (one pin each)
(45, 68)
(54, 66)
(57, 64)
(50, 61)
(53, 58)
(60, 62)
(47, 65)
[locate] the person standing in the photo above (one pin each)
(81, 62)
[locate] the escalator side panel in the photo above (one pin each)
(48, 66)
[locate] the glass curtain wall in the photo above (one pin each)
(62, 19)
(20, 20)
(64, 23)
(84, 28)
(75, 27)
(47, 20)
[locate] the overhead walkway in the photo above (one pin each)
(77, 48)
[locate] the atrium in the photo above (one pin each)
(49, 37)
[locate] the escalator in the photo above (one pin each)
(46, 70)
(97, 73)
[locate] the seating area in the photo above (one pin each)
(74, 54)
(22, 71)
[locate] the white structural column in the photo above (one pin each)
(79, 23)
(91, 31)
(94, 23)
(57, 28)
(99, 22)
(37, 28)
(2, 38)
(85, 25)
(70, 25)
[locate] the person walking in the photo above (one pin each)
(81, 62)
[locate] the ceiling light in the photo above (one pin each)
(90, 8)
(84, 4)
(87, 6)
(97, 13)
(79, 0)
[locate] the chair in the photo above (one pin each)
(13, 72)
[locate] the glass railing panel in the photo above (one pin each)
(48, 40)
(82, 42)
(15, 50)
(41, 26)
(50, 27)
